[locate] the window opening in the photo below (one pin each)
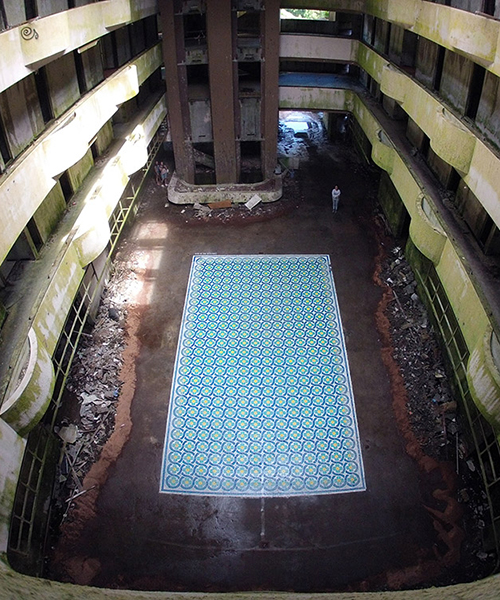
(3, 16)
(42, 89)
(67, 190)
(34, 234)
(475, 90)
(387, 44)
(4, 147)
(489, 7)
(453, 180)
(30, 6)
(80, 72)
(438, 73)
(489, 237)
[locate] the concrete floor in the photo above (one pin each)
(135, 537)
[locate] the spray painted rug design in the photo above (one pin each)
(261, 402)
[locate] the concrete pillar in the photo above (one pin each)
(220, 32)
(177, 89)
(270, 85)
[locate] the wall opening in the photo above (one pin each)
(42, 88)
(438, 73)
(475, 90)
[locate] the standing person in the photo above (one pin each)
(157, 173)
(163, 174)
(335, 198)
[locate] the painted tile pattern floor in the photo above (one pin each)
(261, 402)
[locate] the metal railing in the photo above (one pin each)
(481, 435)
(29, 519)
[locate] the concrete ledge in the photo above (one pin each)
(29, 400)
(181, 192)
(484, 378)
(15, 585)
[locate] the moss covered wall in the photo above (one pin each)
(11, 455)
(62, 84)
(80, 170)
(49, 212)
(393, 207)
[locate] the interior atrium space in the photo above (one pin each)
(249, 299)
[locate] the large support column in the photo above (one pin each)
(177, 87)
(270, 85)
(220, 33)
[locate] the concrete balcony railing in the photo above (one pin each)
(428, 230)
(483, 374)
(318, 48)
(34, 382)
(31, 177)
(31, 45)
(449, 137)
(474, 35)
(75, 244)
(71, 251)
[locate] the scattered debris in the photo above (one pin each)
(202, 209)
(220, 204)
(434, 412)
(87, 416)
(254, 200)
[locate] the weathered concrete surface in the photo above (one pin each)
(14, 586)
(128, 535)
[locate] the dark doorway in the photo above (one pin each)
(475, 90)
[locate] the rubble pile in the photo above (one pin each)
(435, 417)
(198, 214)
(91, 396)
(431, 406)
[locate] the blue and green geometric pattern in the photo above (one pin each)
(262, 402)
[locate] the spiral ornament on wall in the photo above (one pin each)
(29, 33)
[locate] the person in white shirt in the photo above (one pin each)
(335, 198)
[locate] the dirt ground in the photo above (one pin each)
(419, 522)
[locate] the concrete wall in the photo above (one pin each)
(396, 44)
(123, 49)
(415, 134)
(11, 451)
(488, 114)
(62, 84)
(426, 61)
(32, 176)
(92, 66)
(15, 13)
(441, 169)
(392, 205)
(49, 212)
(28, 397)
(381, 35)
(80, 170)
(343, 50)
(21, 114)
(25, 49)
(470, 5)
(455, 83)
(49, 7)
(104, 138)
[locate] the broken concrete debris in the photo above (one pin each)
(254, 200)
(87, 417)
(434, 412)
